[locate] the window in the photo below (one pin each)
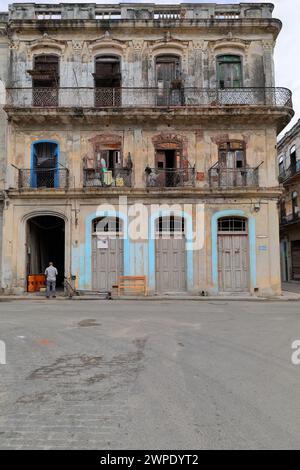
(232, 155)
(295, 203)
(107, 78)
(281, 165)
(170, 224)
(167, 70)
(232, 224)
(107, 224)
(168, 81)
(293, 157)
(229, 71)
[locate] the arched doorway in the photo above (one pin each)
(170, 254)
(233, 254)
(45, 241)
(107, 252)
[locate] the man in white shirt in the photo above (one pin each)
(51, 273)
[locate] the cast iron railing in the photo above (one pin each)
(227, 178)
(169, 177)
(81, 97)
(40, 178)
(291, 171)
(290, 218)
(117, 177)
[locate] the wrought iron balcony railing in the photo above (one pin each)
(81, 97)
(290, 218)
(169, 177)
(291, 171)
(43, 178)
(229, 178)
(116, 177)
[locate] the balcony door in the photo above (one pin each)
(168, 76)
(44, 170)
(232, 164)
(45, 80)
(229, 71)
(166, 163)
(107, 79)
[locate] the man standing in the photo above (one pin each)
(51, 273)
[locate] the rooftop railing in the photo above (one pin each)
(146, 97)
(136, 11)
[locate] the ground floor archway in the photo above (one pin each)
(45, 241)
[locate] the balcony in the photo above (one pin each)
(292, 218)
(114, 178)
(169, 177)
(43, 178)
(291, 172)
(231, 178)
(147, 97)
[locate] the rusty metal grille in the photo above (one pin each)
(43, 178)
(226, 178)
(107, 97)
(148, 97)
(169, 177)
(45, 97)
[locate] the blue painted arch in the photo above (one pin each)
(251, 241)
(82, 258)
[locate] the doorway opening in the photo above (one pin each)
(107, 80)
(107, 253)
(44, 172)
(168, 166)
(233, 254)
(45, 242)
(170, 255)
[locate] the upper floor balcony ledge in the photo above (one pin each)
(81, 99)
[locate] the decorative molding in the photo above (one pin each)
(48, 43)
(104, 42)
(229, 42)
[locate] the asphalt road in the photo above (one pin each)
(149, 375)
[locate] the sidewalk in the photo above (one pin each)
(286, 296)
(292, 286)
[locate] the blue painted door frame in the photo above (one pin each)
(33, 173)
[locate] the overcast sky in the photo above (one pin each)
(287, 56)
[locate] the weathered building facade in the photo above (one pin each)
(112, 109)
(289, 175)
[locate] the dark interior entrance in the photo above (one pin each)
(46, 242)
(166, 164)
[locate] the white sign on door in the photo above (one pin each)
(102, 243)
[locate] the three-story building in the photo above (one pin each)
(112, 109)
